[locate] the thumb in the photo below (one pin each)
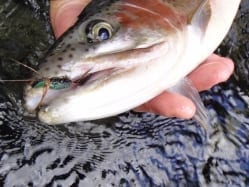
(63, 14)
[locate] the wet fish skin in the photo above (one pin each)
(151, 42)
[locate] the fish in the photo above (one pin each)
(122, 53)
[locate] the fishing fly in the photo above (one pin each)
(53, 83)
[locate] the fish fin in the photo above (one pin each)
(201, 16)
(186, 88)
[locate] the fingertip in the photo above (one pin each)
(215, 70)
(225, 67)
(64, 13)
(229, 68)
(65, 18)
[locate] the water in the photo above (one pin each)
(127, 150)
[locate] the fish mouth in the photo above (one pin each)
(34, 98)
(90, 78)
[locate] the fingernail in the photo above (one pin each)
(227, 70)
(186, 111)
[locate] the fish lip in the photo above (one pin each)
(92, 77)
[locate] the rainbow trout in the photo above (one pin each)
(122, 53)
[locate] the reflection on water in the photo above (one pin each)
(130, 149)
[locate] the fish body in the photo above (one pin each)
(122, 53)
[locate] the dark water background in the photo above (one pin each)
(127, 150)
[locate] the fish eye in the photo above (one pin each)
(99, 30)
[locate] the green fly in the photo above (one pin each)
(53, 83)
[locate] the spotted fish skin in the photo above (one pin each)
(140, 49)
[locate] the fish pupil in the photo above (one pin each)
(103, 34)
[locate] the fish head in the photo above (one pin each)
(123, 53)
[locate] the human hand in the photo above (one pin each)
(64, 14)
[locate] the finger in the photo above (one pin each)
(63, 14)
(214, 70)
(170, 105)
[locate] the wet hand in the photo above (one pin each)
(64, 14)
